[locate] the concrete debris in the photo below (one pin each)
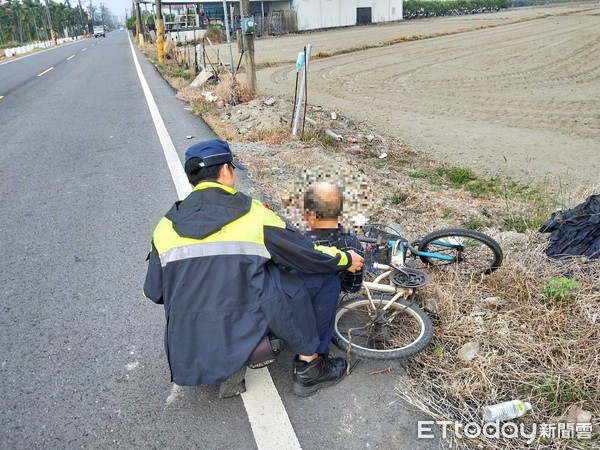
(575, 414)
(202, 78)
(469, 351)
(495, 301)
(210, 97)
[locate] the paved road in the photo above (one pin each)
(83, 180)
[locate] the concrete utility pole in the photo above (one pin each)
(138, 16)
(52, 35)
(160, 33)
(84, 29)
(248, 46)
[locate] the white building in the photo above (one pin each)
(314, 14)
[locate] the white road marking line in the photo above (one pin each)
(177, 173)
(45, 72)
(269, 420)
(1, 97)
(84, 49)
(72, 56)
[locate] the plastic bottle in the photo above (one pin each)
(505, 410)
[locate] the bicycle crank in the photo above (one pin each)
(409, 278)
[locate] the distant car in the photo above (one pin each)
(121, 29)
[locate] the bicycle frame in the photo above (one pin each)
(376, 285)
(401, 247)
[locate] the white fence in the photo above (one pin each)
(15, 51)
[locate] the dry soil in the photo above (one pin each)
(513, 93)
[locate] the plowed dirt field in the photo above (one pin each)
(513, 93)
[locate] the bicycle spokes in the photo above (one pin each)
(471, 253)
(378, 328)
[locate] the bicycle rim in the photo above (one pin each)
(473, 252)
(400, 332)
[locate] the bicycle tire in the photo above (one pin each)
(381, 341)
(475, 252)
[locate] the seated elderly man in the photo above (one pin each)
(322, 212)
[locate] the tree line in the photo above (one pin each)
(25, 21)
(416, 9)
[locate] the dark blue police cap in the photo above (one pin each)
(211, 153)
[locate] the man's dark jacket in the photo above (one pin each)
(217, 263)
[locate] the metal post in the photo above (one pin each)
(228, 36)
(302, 88)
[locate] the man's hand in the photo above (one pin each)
(357, 262)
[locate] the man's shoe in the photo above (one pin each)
(319, 373)
(338, 362)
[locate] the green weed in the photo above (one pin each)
(437, 352)
(517, 221)
(559, 290)
(319, 137)
(401, 161)
(456, 175)
(474, 224)
(419, 175)
(200, 108)
(559, 393)
(399, 197)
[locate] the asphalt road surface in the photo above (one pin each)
(83, 181)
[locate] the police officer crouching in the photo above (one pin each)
(221, 263)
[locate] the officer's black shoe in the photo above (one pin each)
(319, 373)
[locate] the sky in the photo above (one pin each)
(117, 7)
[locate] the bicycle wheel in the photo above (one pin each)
(401, 331)
(473, 251)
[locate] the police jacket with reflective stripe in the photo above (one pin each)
(218, 263)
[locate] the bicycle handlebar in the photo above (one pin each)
(368, 240)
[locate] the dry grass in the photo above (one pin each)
(216, 35)
(267, 64)
(169, 46)
(274, 136)
(181, 85)
(233, 90)
(189, 94)
(531, 348)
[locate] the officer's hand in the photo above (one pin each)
(357, 262)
